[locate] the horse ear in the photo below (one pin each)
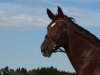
(50, 14)
(60, 12)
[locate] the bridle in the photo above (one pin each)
(59, 41)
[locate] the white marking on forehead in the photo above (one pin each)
(53, 24)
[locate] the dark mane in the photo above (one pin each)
(85, 33)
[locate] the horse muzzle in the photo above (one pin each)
(48, 50)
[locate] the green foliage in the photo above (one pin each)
(39, 71)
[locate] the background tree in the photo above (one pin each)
(6, 71)
(11, 71)
(39, 71)
(24, 71)
(17, 71)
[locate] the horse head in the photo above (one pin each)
(56, 33)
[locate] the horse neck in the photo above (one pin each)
(79, 38)
(79, 43)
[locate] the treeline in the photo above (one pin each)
(39, 71)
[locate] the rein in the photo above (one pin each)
(61, 50)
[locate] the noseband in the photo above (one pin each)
(58, 41)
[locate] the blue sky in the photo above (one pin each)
(23, 27)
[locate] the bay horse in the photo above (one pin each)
(81, 46)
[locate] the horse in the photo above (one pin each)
(80, 45)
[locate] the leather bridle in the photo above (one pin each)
(59, 41)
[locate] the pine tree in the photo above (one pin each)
(24, 71)
(6, 71)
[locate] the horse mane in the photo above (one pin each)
(84, 33)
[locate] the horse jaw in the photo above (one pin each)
(47, 55)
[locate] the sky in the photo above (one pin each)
(23, 27)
